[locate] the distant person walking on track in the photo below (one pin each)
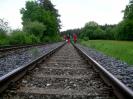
(68, 39)
(75, 38)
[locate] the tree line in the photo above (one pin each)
(121, 31)
(41, 23)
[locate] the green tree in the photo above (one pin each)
(34, 12)
(109, 31)
(88, 30)
(125, 27)
(125, 30)
(99, 34)
(36, 28)
(48, 6)
(128, 12)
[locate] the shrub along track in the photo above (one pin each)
(65, 75)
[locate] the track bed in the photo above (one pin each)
(65, 75)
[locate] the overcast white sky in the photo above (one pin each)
(74, 13)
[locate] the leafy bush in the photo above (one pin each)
(33, 39)
(4, 41)
(19, 37)
(54, 38)
(36, 28)
(4, 38)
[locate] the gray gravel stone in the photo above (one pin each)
(15, 60)
(118, 68)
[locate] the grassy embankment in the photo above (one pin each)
(122, 50)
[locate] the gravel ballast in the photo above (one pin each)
(61, 78)
(118, 68)
(15, 60)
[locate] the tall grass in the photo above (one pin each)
(122, 50)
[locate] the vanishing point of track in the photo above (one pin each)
(65, 75)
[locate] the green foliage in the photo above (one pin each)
(32, 39)
(55, 38)
(89, 29)
(109, 31)
(40, 19)
(125, 30)
(36, 28)
(3, 35)
(19, 37)
(48, 6)
(125, 27)
(121, 31)
(4, 39)
(91, 24)
(98, 34)
(128, 12)
(119, 49)
(41, 23)
(92, 30)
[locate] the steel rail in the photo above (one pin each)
(120, 89)
(13, 47)
(5, 49)
(15, 75)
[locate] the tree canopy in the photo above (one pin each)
(125, 27)
(40, 14)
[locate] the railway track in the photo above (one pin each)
(65, 75)
(10, 49)
(14, 47)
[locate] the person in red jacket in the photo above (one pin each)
(75, 38)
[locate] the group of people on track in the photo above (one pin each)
(70, 38)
